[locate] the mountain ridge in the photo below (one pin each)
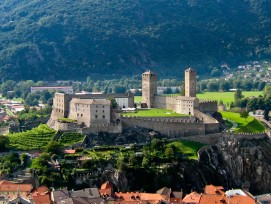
(45, 39)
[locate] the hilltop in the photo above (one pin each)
(47, 39)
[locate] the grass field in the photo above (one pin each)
(226, 97)
(249, 125)
(153, 113)
(188, 148)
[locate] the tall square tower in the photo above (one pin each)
(190, 83)
(149, 88)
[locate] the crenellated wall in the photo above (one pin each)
(208, 106)
(112, 128)
(172, 127)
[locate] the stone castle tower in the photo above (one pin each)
(190, 83)
(149, 88)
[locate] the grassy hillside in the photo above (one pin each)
(69, 39)
(249, 125)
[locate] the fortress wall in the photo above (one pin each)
(165, 102)
(211, 128)
(205, 118)
(211, 139)
(208, 106)
(98, 128)
(167, 126)
(65, 126)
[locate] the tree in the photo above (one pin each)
(145, 162)
(169, 153)
(121, 164)
(266, 114)
(23, 158)
(53, 147)
(114, 103)
(4, 143)
(244, 115)
(238, 95)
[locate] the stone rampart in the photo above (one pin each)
(112, 128)
(165, 102)
(172, 127)
(74, 127)
(204, 117)
(65, 126)
(208, 106)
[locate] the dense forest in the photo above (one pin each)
(67, 39)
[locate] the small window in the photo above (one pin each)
(103, 111)
(96, 116)
(96, 111)
(81, 115)
(103, 116)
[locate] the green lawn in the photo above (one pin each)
(226, 97)
(138, 99)
(188, 148)
(154, 112)
(249, 125)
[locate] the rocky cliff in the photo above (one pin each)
(241, 162)
(231, 163)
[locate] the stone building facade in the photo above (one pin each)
(180, 104)
(88, 109)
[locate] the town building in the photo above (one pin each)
(216, 194)
(64, 89)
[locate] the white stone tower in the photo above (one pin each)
(190, 83)
(149, 88)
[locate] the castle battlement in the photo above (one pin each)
(207, 101)
(163, 119)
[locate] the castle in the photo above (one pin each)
(91, 113)
(180, 104)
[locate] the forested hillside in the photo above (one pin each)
(72, 39)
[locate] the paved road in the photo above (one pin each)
(234, 124)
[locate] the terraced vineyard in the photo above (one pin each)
(69, 138)
(32, 139)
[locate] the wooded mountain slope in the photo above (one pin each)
(72, 39)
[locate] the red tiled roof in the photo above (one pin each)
(8, 186)
(42, 199)
(106, 185)
(193, 197)
(211, 189)
(212, 198)
(69, 151)
(42, 190)
(135, 197)
(240, 199)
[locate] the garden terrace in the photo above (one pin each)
(32, 139)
